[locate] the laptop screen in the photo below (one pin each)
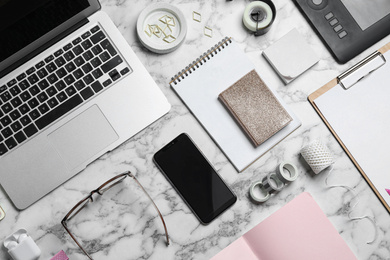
(23, 22)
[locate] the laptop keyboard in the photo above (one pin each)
(54, 86)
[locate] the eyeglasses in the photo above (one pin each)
(100, 190)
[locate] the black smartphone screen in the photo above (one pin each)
(194, 178)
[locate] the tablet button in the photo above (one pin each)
(342, 34)
(333, 22)
(329, 15)
(338, 28)
(317, 2)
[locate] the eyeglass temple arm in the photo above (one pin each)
(155, 206)
(74, 239)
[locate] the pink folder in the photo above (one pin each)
(298, 231)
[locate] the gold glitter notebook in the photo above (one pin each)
(255, 108)
(198, 86)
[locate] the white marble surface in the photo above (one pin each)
(137, 234)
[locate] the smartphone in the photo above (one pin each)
(193, 177)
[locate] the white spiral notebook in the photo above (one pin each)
(199, 85)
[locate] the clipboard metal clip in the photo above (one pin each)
(361, 70)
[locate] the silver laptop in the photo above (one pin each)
(71, 89)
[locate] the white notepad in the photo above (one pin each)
(199, 90)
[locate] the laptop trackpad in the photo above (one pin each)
(83, 137)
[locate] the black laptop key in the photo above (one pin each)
(95, 62)
(108, 46)
(77, 50)
(3, 88)
(42, 97)
(125, 71)
(88, 79)
(78, 74)
(49, 59)
(34, 90)
(67, 47)
(30, 70)
(109, 65)
(104, 56)
(96, 49)
(86, 44)
(87, 93)
(25, 120)
(39, 64)
(51, 91)
(5, 121)
(69, 55)
(14, 90)
(70, 67)
(61, 96)
(97, 73)
(79, 61)
(97, 37)
(85, 35)
(87, 55)
(59, 111)
(107, 82)
(14, 115)
(60, 85)
(79, 85)
(95, 29)
(70, 91)
(42, 73)
(16, 102)
(76, 41)
(33, 103)
(5, 96)
(58, 53)
(114, 75)
(21, 76)
(10, 143)
(96, 86)
(43, 84)
(43, 108)
(60, 61)
(61, 73)
(87, 68)
(30, 130)
(3, 149)
(51, 67)
(6, 132)
(34, 114)
(69, 79)
(23, 85)
(16, 126)
(52, 102)
(24, 109)
(11, 83)
(20, 137)
(33, 79)
(6, 108)
(25, 96)
(52, 78)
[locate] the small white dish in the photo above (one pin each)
(161, 28)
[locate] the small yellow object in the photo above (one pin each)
(169, 39)
(168, 20)
(2, 213)
(157, 31)
(208, 31)
(196, 16)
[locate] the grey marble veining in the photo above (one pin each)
(133, 230)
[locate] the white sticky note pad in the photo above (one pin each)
(290, 56)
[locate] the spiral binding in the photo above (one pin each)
(199, 61)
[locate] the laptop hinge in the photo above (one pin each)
(43, 47)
